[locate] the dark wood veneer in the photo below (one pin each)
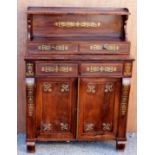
(78, 72)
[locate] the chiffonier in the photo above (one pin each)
(78, 72)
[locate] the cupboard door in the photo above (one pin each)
(98, 108)
(56, 108)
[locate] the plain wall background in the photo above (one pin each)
(21, 48)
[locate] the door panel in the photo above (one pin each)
(98, 107)
(56, 108)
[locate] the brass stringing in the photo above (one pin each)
(30, 100)
(64, 88)
(88, 127)
(106, 126)
(70, 24)
(46, 126)
(124, 99)
(91, 88)
(47, 87)
(101, 69)
(109, 47)
(52, 47)
(108, 87)
(127, 69)
(64, 126)
(29, 69)
(56, 69)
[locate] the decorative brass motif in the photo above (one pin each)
(91, 88)
(77, 24)
(109, 47)
(108, 87)
(107, 126)
(46, 126)
(124, 99)
(101, 69)
(127, 69)
(64, 69)
(29, 69)
(96, 47)
(47, 87)
(30, 100)
(89, 127)
(63, 126)
(29, 27)
(64, 88)
(52, 47)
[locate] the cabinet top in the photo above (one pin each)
(77, 10)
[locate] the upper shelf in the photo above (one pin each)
(77, 10)
(68, 23)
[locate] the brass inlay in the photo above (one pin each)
(64, 69)
(101, 69)
(108, 87)
(127, 69)
(64, 88)
(30, 100)
(109, 47)
(29, 69)
(107, 126)
(77, 24)
(91, 88)
(89, 127)
(124, 99)
(46, 126)
(52, 47)
(63, 126)
(47, 87)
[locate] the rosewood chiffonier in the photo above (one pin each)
(78, 72)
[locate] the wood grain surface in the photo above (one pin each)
(21, 46)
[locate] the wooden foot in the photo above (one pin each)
(120, 145)
(30, 147)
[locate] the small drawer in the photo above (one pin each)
(105, 47)
(96, 69)
(56, 69)
(52, 48)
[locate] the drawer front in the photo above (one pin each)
(56, 69)
(105, 48)
(52, 48)
(101, 69)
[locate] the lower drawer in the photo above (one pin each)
(56, 69)
(96, 69)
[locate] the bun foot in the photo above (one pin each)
(30, 147)
(120, 145)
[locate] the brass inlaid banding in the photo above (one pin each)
(109, 47)
(77, 24)
(64, 69)
(52, 47)
(101, 69)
